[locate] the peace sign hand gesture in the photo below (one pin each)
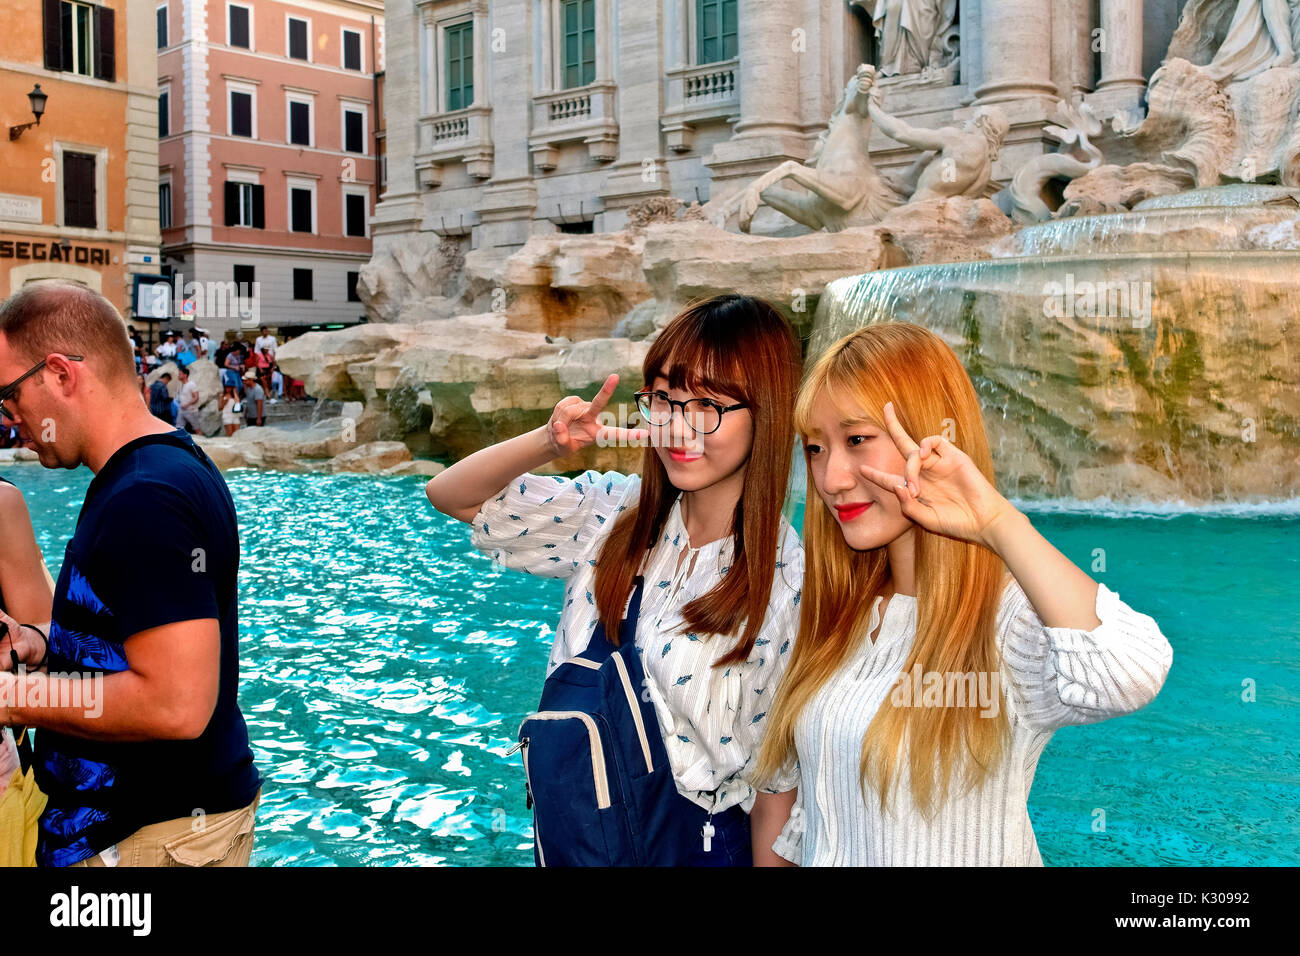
(940, 489)
(575, 423)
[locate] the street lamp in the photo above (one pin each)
(37, 99)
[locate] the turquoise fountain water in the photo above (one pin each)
(386, 666)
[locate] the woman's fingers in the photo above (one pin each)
(603, 396)
(912, 472)
(884, 479)
(902, 440)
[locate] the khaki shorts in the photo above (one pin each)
(219, 839)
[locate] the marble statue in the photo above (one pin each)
(1237, 39)
(842, 187)
(957, 160)
(912, 34)
(1078, 124)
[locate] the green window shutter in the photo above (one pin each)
(579, 38)
(460, 66)
(588, 41)
(729, 29)
(715, 30)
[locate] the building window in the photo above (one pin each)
(245, 205)
(354, 131)
(300, 122)
(164, 205)
(237, 31)
(715, 30)
(352, 286)
(579, 32)
(78, 38)
(164, 114)
(301, 217)
(244, 279)
(351, 50)
(241, 113)
(79, 190)
(584, 228)
(161, 14)
(302, 283)
(298, 48)
(460, 65)
(354, 214)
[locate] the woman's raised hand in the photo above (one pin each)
(575, 423)
(940, 489)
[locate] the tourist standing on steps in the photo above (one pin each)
(254, 399)
(702, 527)
(922, 576)
(156, 628)
(160, 398)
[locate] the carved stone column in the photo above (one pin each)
(772, 43)
(1016, 50)
(1121, 45)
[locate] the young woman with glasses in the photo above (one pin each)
(701, 525)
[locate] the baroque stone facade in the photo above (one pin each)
(510, 118)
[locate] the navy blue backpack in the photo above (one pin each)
(599, 782)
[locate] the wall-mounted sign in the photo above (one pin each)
(42, 250)
(17, 208)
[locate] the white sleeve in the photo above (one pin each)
(547, 525)
(789, 843)
(1061, 676)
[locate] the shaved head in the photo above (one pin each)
(42, 318)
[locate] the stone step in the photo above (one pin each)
(283, 413)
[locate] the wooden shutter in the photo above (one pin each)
(104, 44)
(241, 113)
(238, 27)
(351, 50)
(79, 190)
(53, 35)
(354, 214)
(298, 39)
(232, 204)
(300, 206)
(259, 207)
(353, 134)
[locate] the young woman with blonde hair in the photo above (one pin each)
(696, 541)
(942, 639)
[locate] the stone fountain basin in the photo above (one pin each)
(1088, 393)
(1200, 220)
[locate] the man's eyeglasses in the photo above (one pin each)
(10, 390)
(703, 415)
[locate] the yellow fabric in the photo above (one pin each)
(21, 806)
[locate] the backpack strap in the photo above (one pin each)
(600, 646)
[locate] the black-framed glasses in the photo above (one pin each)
(703, 415)
(8, 391)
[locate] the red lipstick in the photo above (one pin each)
(847, 513)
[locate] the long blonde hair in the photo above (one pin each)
(958, 584)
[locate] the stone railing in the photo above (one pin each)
(586, 114)
(697, 94)
(463, 136)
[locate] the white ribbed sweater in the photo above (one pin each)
(1053, 677)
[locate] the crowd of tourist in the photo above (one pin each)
(250, 377)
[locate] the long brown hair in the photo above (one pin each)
(958, 584)
(731, 345)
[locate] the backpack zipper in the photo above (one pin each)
(599, 776)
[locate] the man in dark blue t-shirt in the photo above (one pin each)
(140, 744)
